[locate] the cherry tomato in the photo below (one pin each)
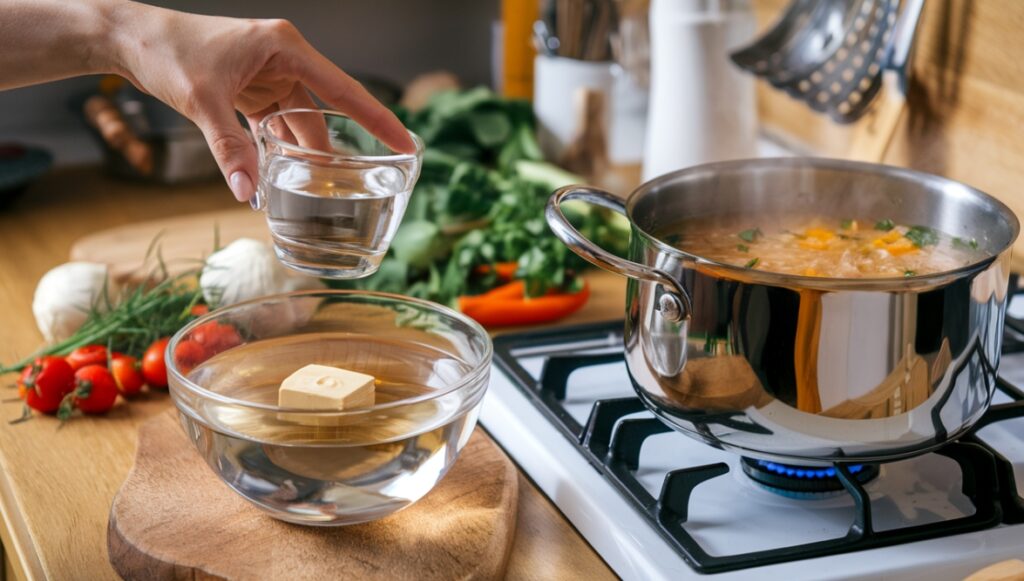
(154, 369)
(45, 383)
(125, 370)
(87, 355)
(188, 354)
(216, 337)
(95, 389)
(199, 310)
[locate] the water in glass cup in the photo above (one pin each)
(332, 206)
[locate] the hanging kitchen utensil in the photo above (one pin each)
(872, 136)
(832, 54)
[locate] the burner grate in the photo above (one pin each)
(611, 442)
(1013, 334)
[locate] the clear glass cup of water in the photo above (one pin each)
(333, 193)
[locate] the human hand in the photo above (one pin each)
(207, 67)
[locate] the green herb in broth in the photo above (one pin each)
(751, 234)
(922, 236)
(965, 244)
(808, 245)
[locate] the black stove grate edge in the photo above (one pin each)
(612, 445)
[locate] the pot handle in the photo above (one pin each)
(673, 301)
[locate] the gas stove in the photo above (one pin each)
(656, 504)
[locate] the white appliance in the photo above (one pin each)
(703, 108)
(543, 419)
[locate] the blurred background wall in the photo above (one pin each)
(390, 39)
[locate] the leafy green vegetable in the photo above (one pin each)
(479, 201)
(752, 263)
(418, 243)
(885, 225)
(470, 193)
(521, 148)
(545, 174)
(922, 236)
(751, 234)
(490, 128)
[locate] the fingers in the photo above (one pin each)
(275, 125)
(310, 129)
(231, 147)
(344, 93)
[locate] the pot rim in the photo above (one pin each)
(823, 283)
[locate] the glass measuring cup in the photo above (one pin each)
(334, 194)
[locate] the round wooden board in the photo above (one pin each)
(174, 519)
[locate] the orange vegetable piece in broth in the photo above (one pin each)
(822, 234)
(901, 246)
(813, 243)
(889, 238)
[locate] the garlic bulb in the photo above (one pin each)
(242, 270)
(64, 296)
(246, 269)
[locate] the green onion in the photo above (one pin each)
(922, 236)
(752, 263)
(751, 234)
(909, 273)
(130, 325)
(961, 243)
(885, 225)
(742, 248)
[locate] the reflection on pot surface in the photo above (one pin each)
(800, 368)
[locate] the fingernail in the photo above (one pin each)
(241, 186)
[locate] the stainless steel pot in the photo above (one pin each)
(803, 369)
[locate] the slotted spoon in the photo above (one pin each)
(831, 54)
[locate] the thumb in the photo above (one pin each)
(234, 151)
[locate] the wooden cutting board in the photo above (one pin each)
(183, 240)
(174, 519)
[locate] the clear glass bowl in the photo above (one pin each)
(330, 467)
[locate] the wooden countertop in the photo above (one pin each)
(56, 486)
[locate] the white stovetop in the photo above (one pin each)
(729, 514)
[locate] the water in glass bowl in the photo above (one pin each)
(333, 470)
(333, 221)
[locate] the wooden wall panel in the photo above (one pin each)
(965, 115)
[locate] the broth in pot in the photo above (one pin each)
(823, 247)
